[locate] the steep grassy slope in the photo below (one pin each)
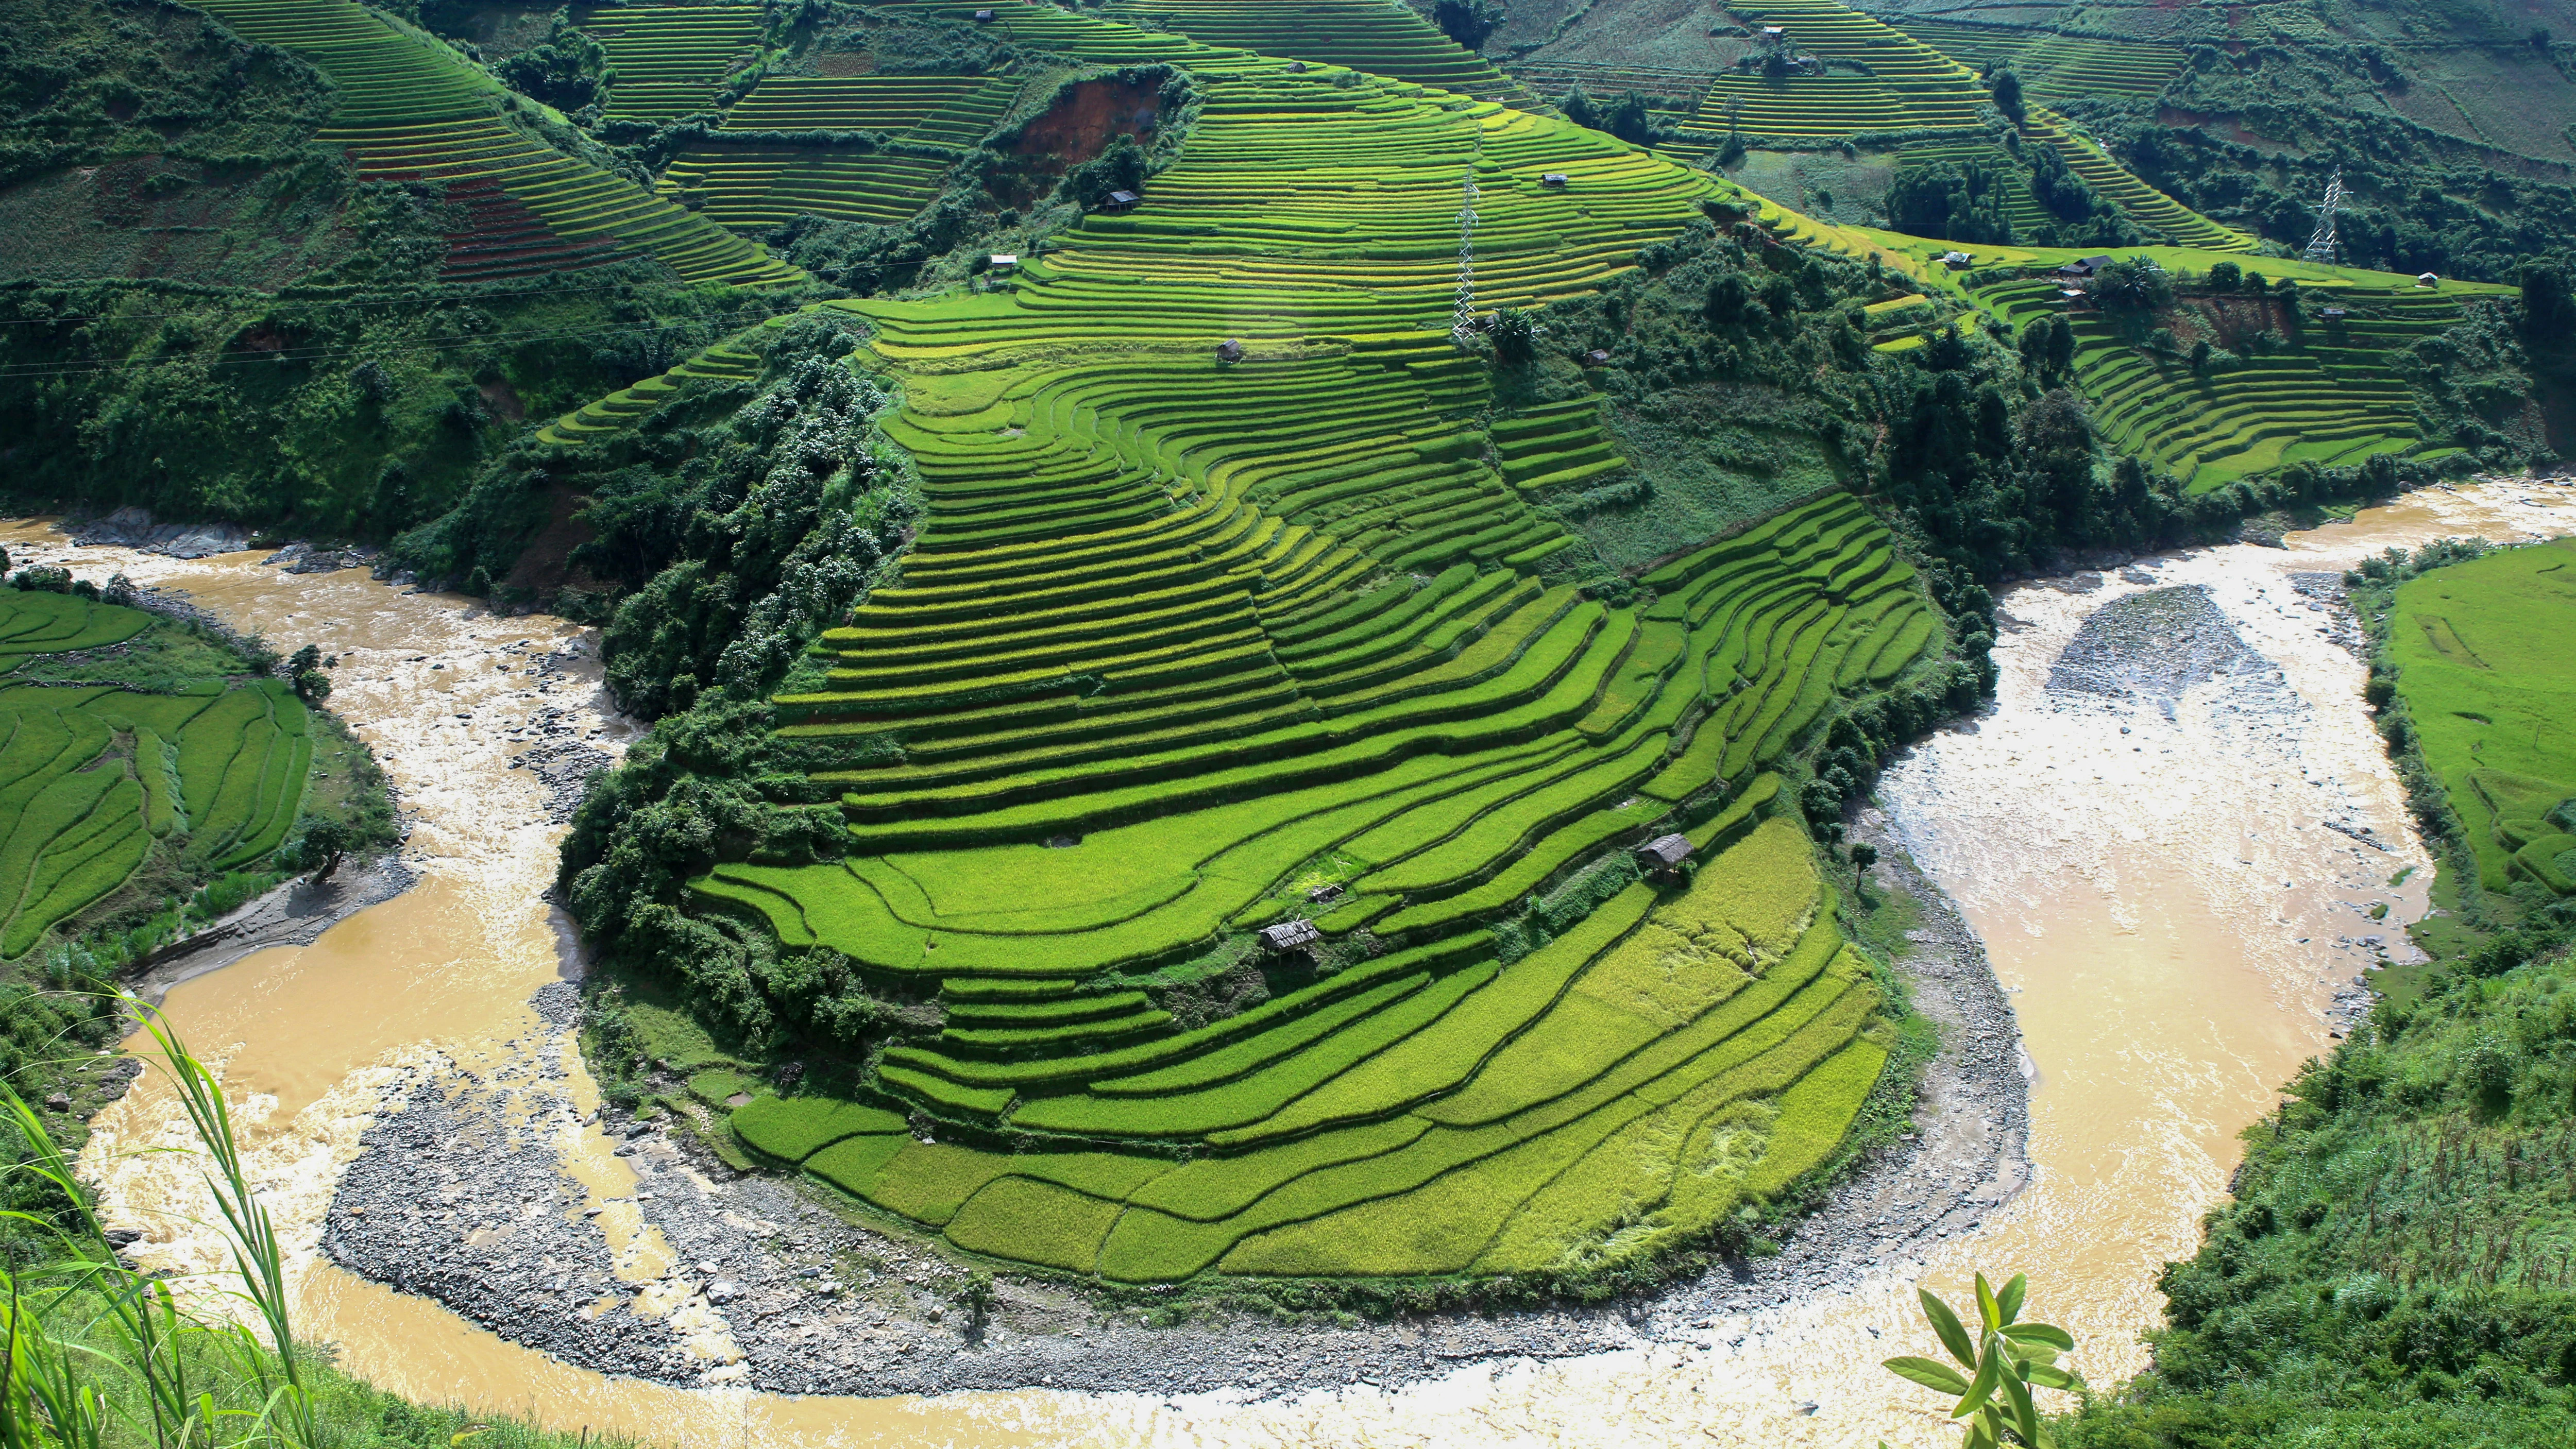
(141, 141)
(2485, 653)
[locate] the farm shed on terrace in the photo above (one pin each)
(1664, 852)
(1289, 935)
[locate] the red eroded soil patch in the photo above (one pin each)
(545, 565)
(1084, 123)
(504, 402)
(1075, 130)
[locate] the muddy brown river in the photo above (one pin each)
(2158, 881)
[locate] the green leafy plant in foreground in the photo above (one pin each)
(2004, 1361)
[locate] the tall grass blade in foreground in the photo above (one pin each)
(94, 1352)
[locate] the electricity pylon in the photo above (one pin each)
(1462, 318)
(2321, 247)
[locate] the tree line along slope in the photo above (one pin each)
(1190, 646)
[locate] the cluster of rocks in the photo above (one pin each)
(2153, 646)
(304, 558)
(459, 1193)
(2324, 595)
(562, 761)
(134, 528)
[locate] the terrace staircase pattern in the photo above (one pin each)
(409, 108)
(2328, 396)
(1880, 80)
(1184, 641)
(670, 59)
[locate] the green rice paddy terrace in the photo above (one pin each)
(1190, 646)
(410, 108)
(2486, 656)
(93, 777)
(2326, 392)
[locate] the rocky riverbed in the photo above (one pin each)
(701, 1275)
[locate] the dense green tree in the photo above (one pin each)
(1469, 22)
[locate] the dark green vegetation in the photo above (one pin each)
(2392, 1271)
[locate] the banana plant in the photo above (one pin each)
(2002, 1362)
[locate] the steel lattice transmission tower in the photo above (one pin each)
(1462, 318)
(2321, 247)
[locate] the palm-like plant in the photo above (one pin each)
(2003, 1361)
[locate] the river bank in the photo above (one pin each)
(438, 995)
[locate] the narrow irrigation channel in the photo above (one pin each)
(2167, 837)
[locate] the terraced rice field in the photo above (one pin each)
(2328, 397)
(760, 186)
(1365, 35)
(2066, 67)
(2053, 66)
(1186, 647)
(92, 777)
(1439, 753)
(2148, 207)
(410, 108)
(938, 110)
(2486, 656)
(1977, 46)
(670, 59)
(1901, 84)
(1882, 80)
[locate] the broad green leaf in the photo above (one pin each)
(2008, 1302)
(1986, 1433)
(1930, 1373)
(2054, 1337)
(1981, 1388)
(2050, 1378)
(1987, 1308)
(1954, 1337)
(2025, 1413)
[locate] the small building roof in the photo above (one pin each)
(1665, 851)
(2331, 311)
(1956, 259)
(2428, 279)
(1229, 351)
(1552, 178)
(2070, 292)
(1124, 199)
(1774, 30)
(1289, 935)
(984, 17)
(1296, 67)
(1005, 261)
(1596, 357)
(2097, 263)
